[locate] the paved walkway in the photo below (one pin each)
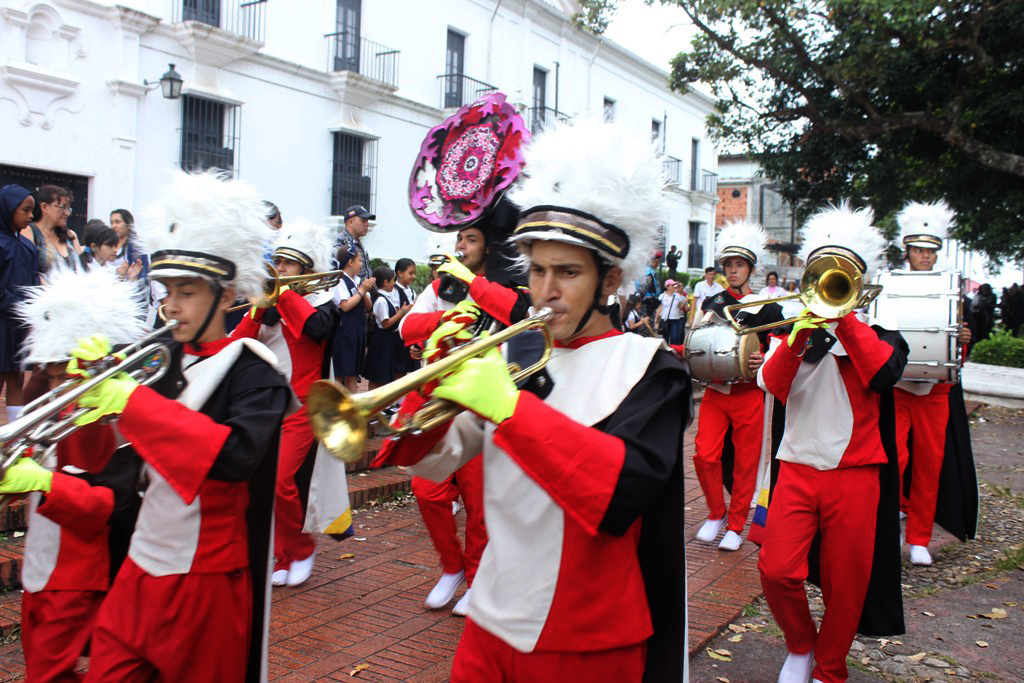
(364, 603)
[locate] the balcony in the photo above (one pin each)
(673, 170)
(708, 182)
(218, 32)
(458, 90)
(542, 116)
(348, 51)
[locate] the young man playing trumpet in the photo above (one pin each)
(923, 407)
(298, 329)
(572, 582)
(84, 502)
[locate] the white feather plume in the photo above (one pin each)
(207, 213)
(844, 227)
(315, 240)
(746, 235)
(72, 306)
(917, 218)
(605, 170)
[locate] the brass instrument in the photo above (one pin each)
(41, 425)
(342, 420)
(438, 260)
(831, 287)
(310, 282)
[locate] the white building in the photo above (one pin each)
(319, 103)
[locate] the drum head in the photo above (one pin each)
(466, 163)
(749, 345)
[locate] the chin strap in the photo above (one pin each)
(596, 304)
(218, 290)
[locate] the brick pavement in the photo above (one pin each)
(368, 608)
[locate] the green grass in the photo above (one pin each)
(1014, 559)
(1007, 493)
(751, 611)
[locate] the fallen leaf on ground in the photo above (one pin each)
(737, 629)
(981, 643)
(359, 667)
(722, 679)
(359, 538)
(918, 657)
(720, 655)
(928, 614)
(347, 556)
(882, 642)
(736, 638)
(1010, 604)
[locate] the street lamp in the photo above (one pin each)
(170, 83)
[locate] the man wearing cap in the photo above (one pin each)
(583, 575)
(357, 224)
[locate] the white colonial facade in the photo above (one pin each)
(318, 103)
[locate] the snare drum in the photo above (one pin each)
(926, 309)
(718, 354)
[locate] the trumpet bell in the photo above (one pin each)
(338, 420)
(831, 287)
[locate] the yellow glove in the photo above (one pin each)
(454, 328)
(88, 351)
(109, 398)
(457, 270)
(805, 326)
(484, 386)
(26, 475)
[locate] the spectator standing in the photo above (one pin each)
(19, 269)
(984, 309)
(405, 273)
(635, 320)
(129, 257)
(648, 288)
(351, 295)
(100, 247)
(706, 288)
(357, 224)
(49, 229)
(672, 260)
(772, 290)
(384, 339)
(672, 312)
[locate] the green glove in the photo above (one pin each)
(807, 324)
(457, 270)
(89, 350)
(109, 398)
(26, 475)
(484, 386)
(454, 328)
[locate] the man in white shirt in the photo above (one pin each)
(705, 288)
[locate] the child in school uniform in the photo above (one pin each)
(381, 365)
(353, 300)
(405, 273)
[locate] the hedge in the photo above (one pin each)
(1001, 348)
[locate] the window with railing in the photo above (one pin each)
(353, 172)
(209, 134)
(708, 182)
(350, 52)
(458, 90)
(544, 116)
(673, 170)
(242, 17)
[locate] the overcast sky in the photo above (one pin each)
(656, 33)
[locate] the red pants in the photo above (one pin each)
(184, 627)
(435, 501)
(484, 658)
(744, 410)
(290, 543)
(55, 628)
(926, 416)
(843, 505)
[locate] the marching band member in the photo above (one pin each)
(738, 407)
(834, 378)
(82, 512)
(298, 329)
(584, 572)
(190, 602)
(924, 408)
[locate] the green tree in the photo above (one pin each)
(881, 101)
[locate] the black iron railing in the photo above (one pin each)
(242, 17)
(347, 51)
(458, 90)
(542, 116)
(209, 134)
(708, 182)
(673, 170)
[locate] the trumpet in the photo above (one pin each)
(438, 260)
(830, 287)
(342, 420)
(310, 282)
(41, 426)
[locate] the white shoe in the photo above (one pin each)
(731, 541)
(301, 570)
(455, 507)
(710, 529)
(797, 668)
(279, 578)
(445, 589)
(461, 608)
(919, 555)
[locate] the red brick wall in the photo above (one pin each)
(730, 208)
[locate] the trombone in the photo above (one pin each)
(41, 426)
(830, 287)
(342, 420)
(310, 282)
